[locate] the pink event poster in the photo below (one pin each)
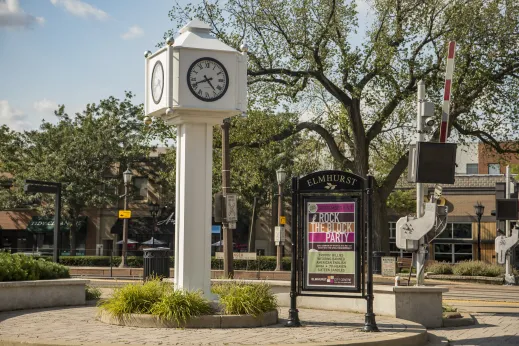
(330, 242)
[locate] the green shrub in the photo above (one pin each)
(159, 299)
(477, 268)
(180, 306)
(439, 268)
(265, 263)
(92, 293)
(19, 267)
(240, 299)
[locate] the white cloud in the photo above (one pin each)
(133, 32)
(81, 9)
(13, 118)
(45, 105)
(12, 16)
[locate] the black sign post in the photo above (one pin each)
(37, 186)
(327, 239)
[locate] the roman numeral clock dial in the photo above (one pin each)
(157, 82)
(207, 79)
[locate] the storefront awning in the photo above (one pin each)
(144, 225)
(44, 224)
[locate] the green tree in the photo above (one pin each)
(306, 52)
(86, 153)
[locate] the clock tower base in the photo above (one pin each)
(193, 207)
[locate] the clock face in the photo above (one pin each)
(207, 79)
(157, 82)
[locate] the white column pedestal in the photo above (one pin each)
(193, 207)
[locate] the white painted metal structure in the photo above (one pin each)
(194, 119)
(444, 127)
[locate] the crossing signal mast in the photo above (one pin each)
(429, 162)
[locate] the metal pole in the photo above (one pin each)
(509, 279)
(228, 270)
(153, 230)
(124, 259)
(293, 313)
(370, 325)
(479, 237)
(57, 222)
(280, 213)
(420, 255)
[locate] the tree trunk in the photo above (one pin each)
(380, 223)
(252, 232)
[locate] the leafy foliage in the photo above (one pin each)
(477, 268)
(264, 263)
(402, 202)
(354, 75)
(240, 299)
(86, 152)
(18, 267)
(439, 268)
(92, 293)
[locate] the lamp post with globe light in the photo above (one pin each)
(127, 178)
(281, 175)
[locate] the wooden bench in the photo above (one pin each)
(405, 263)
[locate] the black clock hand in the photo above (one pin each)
(202, 81)
(209, 81)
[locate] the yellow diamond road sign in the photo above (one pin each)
(282, 220)
(125, 214)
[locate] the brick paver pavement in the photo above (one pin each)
(79, 326)
(494, 329)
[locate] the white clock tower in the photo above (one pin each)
(195, 82)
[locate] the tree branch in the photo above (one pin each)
(328, 138)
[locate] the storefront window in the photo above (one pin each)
(454, 252)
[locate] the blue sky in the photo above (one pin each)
(73, 52)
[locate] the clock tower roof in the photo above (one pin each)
(197, 35)
(196, 25)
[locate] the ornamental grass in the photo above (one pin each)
(241, 299)
(156, 298)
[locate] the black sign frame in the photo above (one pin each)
(334, 185)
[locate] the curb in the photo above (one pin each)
(465, 320)
(206, 321)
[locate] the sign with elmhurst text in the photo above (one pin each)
(331, 181)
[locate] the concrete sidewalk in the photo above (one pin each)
(79, 326)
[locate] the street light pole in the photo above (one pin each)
(281, 176)
(479, 209)
(127, 177)
(228, 270)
